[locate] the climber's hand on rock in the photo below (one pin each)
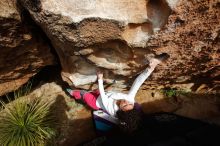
(99, 75)
(158, 59)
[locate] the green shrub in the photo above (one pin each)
(171, 92)
(26, 123)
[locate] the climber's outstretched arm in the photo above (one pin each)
(145, 74)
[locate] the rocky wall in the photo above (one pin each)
(23, 49)
(119, 36)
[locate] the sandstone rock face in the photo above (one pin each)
(99, 34)
(22, 53)
(192, 39)
(118, 36)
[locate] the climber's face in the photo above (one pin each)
(126, 105)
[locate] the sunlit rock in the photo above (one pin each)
(118, 36)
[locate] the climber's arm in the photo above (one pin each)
(100, 84)
(144, 75)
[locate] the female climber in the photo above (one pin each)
(116, 104)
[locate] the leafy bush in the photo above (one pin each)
(26, 123)
(170, 92)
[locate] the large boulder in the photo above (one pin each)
(118, 37)
(22, 50)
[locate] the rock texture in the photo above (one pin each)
(22, 50)
(109, 35)
(192, 39)
(118, 36)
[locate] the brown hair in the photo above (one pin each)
(129, 121)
